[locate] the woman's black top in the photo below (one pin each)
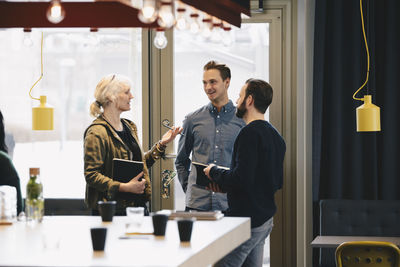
(128, 140)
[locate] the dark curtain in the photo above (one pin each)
(349, 164)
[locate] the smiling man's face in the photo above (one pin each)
(215, 88)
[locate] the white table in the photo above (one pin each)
(23, 245)
(335, 241)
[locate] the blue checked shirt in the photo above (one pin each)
(208, 137)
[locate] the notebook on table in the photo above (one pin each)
(199, 215)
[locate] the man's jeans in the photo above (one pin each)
(251, 252)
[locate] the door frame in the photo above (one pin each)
(158, 103)
(158, 98)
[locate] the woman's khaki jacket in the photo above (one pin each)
(101, 145)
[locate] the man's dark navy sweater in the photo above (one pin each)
(255, 174)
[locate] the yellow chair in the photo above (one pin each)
(367, 254)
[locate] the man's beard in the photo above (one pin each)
(241, 110)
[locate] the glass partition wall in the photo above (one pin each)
(74, 60)
(247, 57)
(253, 51)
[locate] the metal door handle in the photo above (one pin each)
(166, 124)
(169, 156)
(167, 177)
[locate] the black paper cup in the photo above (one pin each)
(185, 227)
(159, 223)
(98, 238)
(107, 210)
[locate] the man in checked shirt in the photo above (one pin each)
(208, 136)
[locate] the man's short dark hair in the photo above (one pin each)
(224, 71)
(261, 92)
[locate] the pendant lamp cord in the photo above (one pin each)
(41, 69)
(366, 48)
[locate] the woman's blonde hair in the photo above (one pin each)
(106, 92)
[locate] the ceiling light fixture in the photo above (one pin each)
(27, 37)
(55, 12)
(216, 33)
(227, 39)
(194, 23)
(181, 23)
(206, 29)
(166, 17)
(148, 13)
(163, 11)
(160, 41)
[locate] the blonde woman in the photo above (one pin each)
(110, 137)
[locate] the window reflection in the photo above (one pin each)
(247, 57)
(74, 61)
(246, 54)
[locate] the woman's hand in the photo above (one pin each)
(134, 185)
(170, 135)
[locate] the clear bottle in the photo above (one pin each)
(34, 203)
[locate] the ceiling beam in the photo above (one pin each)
(103, 14)
(77, 14)
(227, 10)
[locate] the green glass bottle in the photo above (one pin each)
(34, 203)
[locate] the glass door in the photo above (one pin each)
(247, 57)
(253, 52)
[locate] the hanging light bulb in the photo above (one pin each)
(55, 12)
(181, 23)
(227, 35)
(27, 37)
(166, 18)
(148, 13)
(206, 29)
(93, 38)
(160, 41)
(216, 32)
(194, 24)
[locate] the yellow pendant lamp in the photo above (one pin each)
(42, 115)
(368, 114)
